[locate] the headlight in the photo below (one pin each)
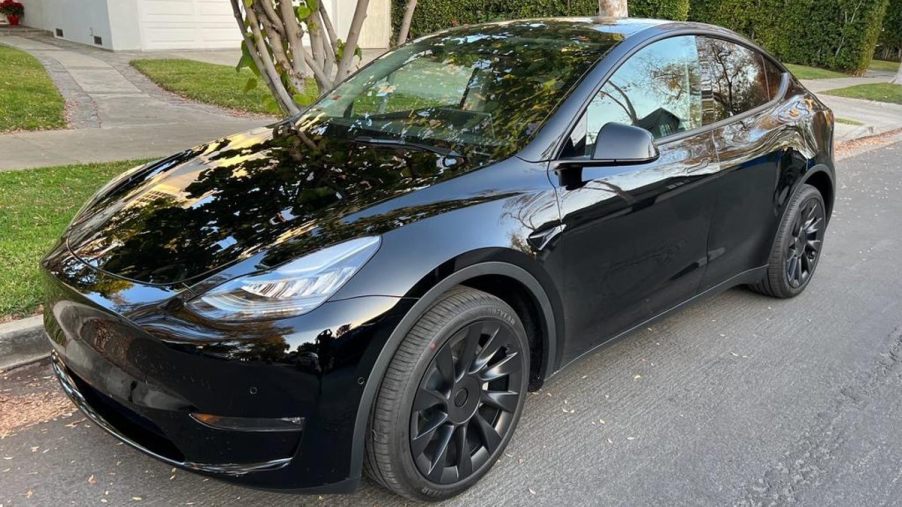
(291, 289)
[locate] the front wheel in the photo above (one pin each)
(451, 397)
(797, 247)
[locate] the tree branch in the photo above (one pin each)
(270, 14)
(405, 22)
(294, 32)
(282, 95)
(347, 57)
(330, 29)
(277, 48)
(267, 72)
(328, 44)
(323, 80)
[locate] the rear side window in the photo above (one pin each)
(657, 89)
(735, 79)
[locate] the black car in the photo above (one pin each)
(375, 284)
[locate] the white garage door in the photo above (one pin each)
(187, 24)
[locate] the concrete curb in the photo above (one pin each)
(22, 342)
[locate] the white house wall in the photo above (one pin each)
(80, 20)
(34, 13)
(150, 25)
(125, 24)
(376, 32)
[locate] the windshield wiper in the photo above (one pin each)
(385, 141)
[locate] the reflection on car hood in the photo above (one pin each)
(271, 189)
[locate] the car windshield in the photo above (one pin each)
(480, 91)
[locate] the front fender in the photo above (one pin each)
(436, 287)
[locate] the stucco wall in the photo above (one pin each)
(376, 31)
(80, 20)
(178, 24)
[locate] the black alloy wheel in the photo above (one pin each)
(803, 250)
(451, 397)
(466, 401)
(797, 247)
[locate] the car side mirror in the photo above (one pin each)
(618, 144)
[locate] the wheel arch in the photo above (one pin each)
(821, 178)
(506, 280)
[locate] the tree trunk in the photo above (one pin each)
(273, 32)
(347, 56)
(613, 8)
(898, 79)
(405, 22)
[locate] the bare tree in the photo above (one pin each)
(613, 8)
(274, 48)
(405, 22)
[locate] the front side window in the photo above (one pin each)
(736, 79)
(657, 89)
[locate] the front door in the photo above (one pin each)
(635, 236)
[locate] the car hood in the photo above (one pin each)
(273, 190)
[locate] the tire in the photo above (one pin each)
(797, 247)
(465, 355)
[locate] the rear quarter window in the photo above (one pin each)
(774, 78)
(735, 79)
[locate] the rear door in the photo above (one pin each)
(634, 238)
(740, 91)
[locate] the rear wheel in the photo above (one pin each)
(797, 247)
(451, 397)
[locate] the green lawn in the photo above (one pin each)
(28, 98)
(847, 121)
(884, 66)
(881, 92)
(219, 85)
(806, 72)
(35, 207)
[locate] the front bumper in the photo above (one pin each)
(142, 369)
(102, 409)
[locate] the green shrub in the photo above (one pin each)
(434, 15)
(835, 34)
(661, 9)
(889, 45)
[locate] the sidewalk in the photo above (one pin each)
(115, 113)
(875, 117)
(822, 85)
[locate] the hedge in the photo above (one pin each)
(889, 46)
(660, 9)
(434, 15)
(835, 34)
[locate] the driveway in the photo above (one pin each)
(740, 400)
(114, 112)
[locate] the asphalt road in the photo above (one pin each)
(739, 400)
